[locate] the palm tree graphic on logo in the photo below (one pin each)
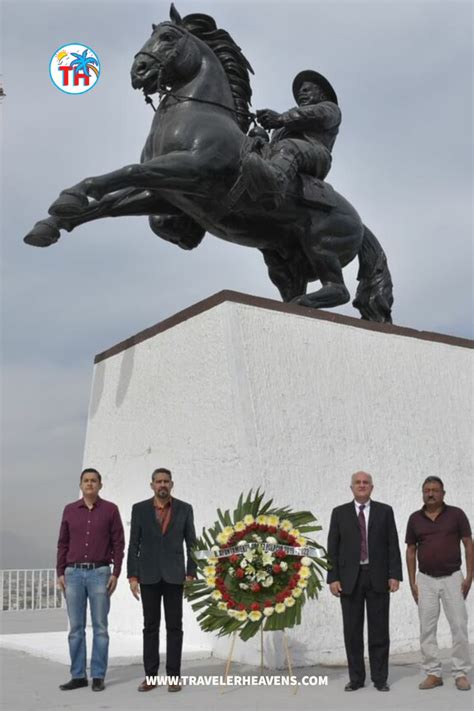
(84, 64)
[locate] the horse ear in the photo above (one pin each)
(174, 14)
(153, 26)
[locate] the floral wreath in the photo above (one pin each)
(256, 569)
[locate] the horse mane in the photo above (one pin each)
(235, 64)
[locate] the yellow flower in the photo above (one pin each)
(248, 519)
(280, 607)
(209, 571)
(255, 615)
(241, 615)
(302, 583)
(268, 611)
(262, 520)
(232, 613)
(211, 582)
(301, 540)
(222, 605)
(239, 526)
(273, 520)
(286, 525)
(289, 601)
(228, 531)
(294, 532)
(304, 572)
(216, 595)
(213, 561)
(297, 592)
(222, 539)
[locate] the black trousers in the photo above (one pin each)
(173, 603)
(377, 625)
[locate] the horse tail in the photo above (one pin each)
(374, 297)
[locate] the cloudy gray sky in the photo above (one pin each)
(403, 72)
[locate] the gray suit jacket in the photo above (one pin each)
(153, 556)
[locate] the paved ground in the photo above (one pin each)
(31, 684)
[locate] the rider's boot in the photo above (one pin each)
(268, 179)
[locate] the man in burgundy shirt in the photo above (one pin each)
(435, 532)
(90, 539)
(156, 570)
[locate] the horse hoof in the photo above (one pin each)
(69, 202)
(42, 235)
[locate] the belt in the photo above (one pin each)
(87, 566)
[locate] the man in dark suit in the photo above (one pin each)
(366, 567)
(156, 570)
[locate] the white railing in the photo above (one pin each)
(31, 589)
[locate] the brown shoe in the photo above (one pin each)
(431, 682)
(174, 687)
(145, 686)
(462, 683)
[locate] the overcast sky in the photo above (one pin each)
(403, 157)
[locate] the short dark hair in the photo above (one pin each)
(90, 470)
(433, 480)
(161, 470)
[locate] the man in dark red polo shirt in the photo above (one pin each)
(90, 539)
(435, 532)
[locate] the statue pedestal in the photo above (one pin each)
(238, 392)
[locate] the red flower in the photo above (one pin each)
(279, 597)
(272, 529)
(291, 540)
(255, 606)
(268, 603)
(241, 606)
(297, 565)
(276, 568)
(239, 573)
(255, 587)
(292, 584)
(280, 554)
(234, 558)
(226, 597)
(230, 604)
(282, 534)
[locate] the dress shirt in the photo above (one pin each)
(91, 535)
(366, 513)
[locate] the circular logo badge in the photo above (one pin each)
(74, 68)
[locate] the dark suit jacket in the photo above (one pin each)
(153, 556)
(344, 547)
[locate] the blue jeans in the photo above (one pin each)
(80, 586)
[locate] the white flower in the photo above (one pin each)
(241, 615)
(284, 566)
(243, 563)
(230, 571)
(261, 575)
(239, 526)
(216, 595)
(215, 549)
(222, 605)
(255, 615)
(306, 561)
(268, 611)
(250, 570)
(297, 592)
(231, 612)
(256, 537)
(286, 525)
(242, 543)
(268, 581)
(250, 555)
(280, 607)
(267, 558)
(289, 601)
(243, 586)
(271, 539)
(248, 519)
(273, 520)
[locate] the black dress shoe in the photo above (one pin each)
(74, 684)
(98, 684)
(382, 687)
(353, 686)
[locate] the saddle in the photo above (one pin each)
(316, 193)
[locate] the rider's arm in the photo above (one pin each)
(323, 115)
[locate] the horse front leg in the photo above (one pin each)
(178, 170)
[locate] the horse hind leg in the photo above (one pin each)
(287, 275)
(326, 264)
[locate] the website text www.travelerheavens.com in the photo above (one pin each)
(238, 680)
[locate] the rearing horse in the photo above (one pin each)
(190, 168)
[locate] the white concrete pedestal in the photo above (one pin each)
(239, 392)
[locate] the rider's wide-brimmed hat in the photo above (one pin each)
(315, 78)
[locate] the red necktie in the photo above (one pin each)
(363, 533)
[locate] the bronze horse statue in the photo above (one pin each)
(189, 181)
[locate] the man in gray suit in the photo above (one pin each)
(156, 570)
